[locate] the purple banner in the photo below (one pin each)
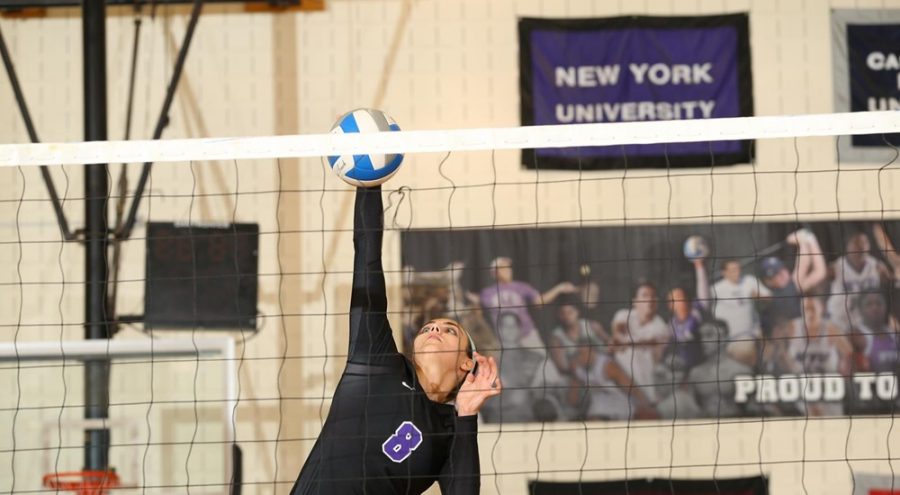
(635, 69)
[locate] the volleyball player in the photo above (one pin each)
(876, 345)
(687, 317)
(398, 425)
(568, 340)
(611, 393)
(879, 333)
(574, 331)
(788, 287)
(509, 295)
(815, 346)
(641, 337)
(890, 253)
(734, 302)
(853, 274)
(713, 379)
(522, 372)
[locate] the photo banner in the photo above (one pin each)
(630, 69)
(670, 321)
(866, 65)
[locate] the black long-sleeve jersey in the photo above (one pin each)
(383, 435)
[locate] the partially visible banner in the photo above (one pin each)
(738, 486)
(670, 321)
(875, 484)
(866, 75)
(629, 69)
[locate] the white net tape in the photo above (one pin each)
(441, 141)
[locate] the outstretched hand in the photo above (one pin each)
(478, 387)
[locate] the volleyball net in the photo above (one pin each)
(703, 299)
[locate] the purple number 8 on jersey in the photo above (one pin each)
(399, 446)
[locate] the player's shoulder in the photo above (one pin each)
(872, 260)
(558, 333)
(394, 365)
(621, 315)
(696, 312)
(522, 286)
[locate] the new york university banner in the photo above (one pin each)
(629, 69)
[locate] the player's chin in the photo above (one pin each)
(428, 350)
(436, 354)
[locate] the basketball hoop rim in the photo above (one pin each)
(84, 481)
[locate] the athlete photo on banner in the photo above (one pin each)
(632, 69)
(678, 321)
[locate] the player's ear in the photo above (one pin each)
(467, 365)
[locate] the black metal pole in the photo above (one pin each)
(96, 232)
(32, 134)
(163, 119)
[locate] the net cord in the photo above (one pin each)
(431, 141)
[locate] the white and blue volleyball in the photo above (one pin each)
(695, 247)
(371, 169)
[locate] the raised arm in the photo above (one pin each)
(558, 289)
(886, 246)
(371, 339)
(703, 295)
(811, 268)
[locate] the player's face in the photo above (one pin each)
(568, 314)
(678, 303)
(504, 273)
(873, 310)
(442, 339)
(711, 337)
(857, 248)
(780, 280)
(732, 272)
(645, 301)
